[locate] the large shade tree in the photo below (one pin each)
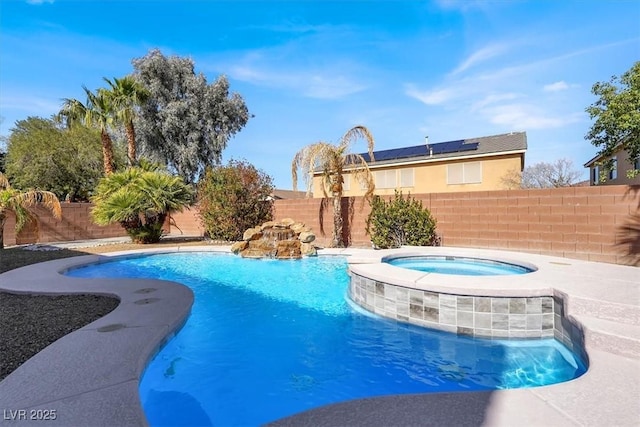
(331, 162)
(96, 112)
(66, 161)
(126, 95)
(617, 117)
(186, 122)
(19, 203)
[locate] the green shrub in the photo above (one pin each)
(140, 198)
(233, 198)
(401, 221)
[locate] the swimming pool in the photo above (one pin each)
(458, 265)
(267, 339)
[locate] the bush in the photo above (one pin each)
(233, 198)
(400, 222)
(140, 199)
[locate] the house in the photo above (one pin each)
(278, 194)
(475, 164)
(617, 174)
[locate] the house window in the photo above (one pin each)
(385, 179)
(346, 185)
(464, 173)
(595, 175)
(613, 172)
(406, 177)
(636, 164)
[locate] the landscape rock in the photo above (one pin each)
(239, 246)
(307, 237)
(252, 234)
(307, 249)
(288, 222)
(286, 239)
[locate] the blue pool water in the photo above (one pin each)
(458, 265)
(267, 339)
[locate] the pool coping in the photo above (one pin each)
(100, 386)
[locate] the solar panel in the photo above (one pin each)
(422, 150)
(453, 147)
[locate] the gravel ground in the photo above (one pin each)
(29, 323)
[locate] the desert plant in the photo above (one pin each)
(400, 221)
(140, 199)
(19, 203)
(233, 198)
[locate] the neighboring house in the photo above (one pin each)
(475, 164)
(617, 175)
(286, 194)
(584, 183)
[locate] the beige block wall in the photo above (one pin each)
(590, 223)
(432, 177)
(599, 223)
(75, 224)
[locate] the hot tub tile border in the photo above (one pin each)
(477, 316)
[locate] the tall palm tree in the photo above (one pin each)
(332, 161)
(19, 203)
(126, 94)
(96, 112)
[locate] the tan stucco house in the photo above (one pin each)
(617, 175)
(475, 164)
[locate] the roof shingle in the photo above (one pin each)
(508, 142)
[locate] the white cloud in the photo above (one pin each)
(556, 87)
(320, 84)
(31, 105)
(431, 97)
(528, 116)
(481, 55)
(332, 87)
(493, 99)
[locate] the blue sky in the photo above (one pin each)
(310, 70)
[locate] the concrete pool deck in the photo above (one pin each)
(91, 376)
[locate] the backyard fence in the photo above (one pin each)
(600, 223)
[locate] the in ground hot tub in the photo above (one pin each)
(463, 266)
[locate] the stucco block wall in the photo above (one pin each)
(577, 222)
(75, 224)
(186, 223)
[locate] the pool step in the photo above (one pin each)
(611, 336)
(606, 310)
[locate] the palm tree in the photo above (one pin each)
(332, 161)
(140, 198)
(19, 203)
(97, 112)
(126, 94)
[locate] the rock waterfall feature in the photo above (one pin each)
(286, 239)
